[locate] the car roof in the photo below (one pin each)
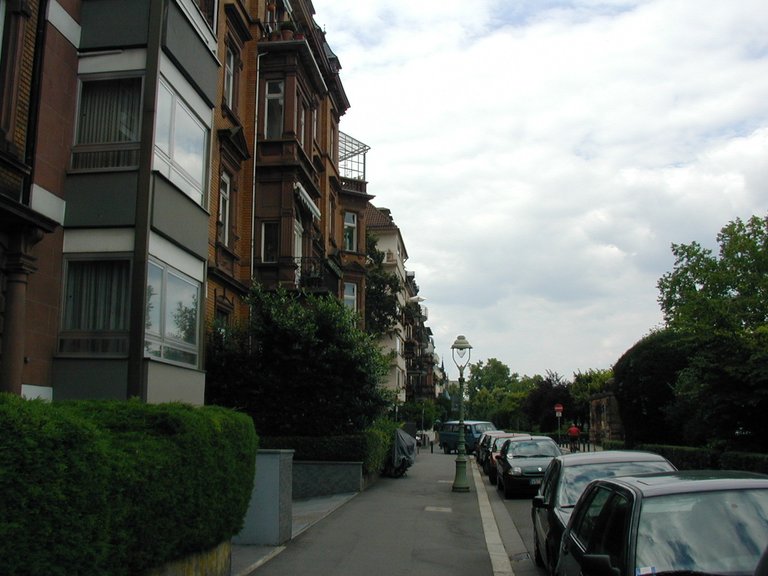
(468, 422)
(606, 456)
(528, 437)
(682, 481)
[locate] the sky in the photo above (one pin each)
(540, 157)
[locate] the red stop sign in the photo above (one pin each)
(558, 409)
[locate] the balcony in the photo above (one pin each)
(316, 275)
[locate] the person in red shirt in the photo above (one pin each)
(573, 437)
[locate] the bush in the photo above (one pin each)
(685, 457)
(117, 488)
(744, 461)
(371, 447)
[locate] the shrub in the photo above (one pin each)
(744, 461)
(117, 488)
(685, 457)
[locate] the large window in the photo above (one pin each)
(273, 119)
(173, 307)
(350, 231)
(108, 124)
(224, 208)
(230, 77)
(181, 144)
(95, 310)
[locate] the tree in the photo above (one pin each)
(494, 374)
(584, 385)
(539, 406)
(381, 292)
(300, 366)
(724, 294)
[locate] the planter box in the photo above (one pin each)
(269, 520)
(312, 479)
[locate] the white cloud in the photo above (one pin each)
(540, 157)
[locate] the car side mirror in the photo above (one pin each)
(538, 502)
(598, 565)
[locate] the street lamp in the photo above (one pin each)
(461, 348)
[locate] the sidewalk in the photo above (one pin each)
(410, 525)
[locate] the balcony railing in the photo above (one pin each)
(314, 274)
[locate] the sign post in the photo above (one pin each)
(558, 415)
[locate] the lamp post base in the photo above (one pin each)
(460, 480)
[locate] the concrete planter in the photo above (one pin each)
(268, 521)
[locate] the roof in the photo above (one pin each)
(583, 458)
(680, 482)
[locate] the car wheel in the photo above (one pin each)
(492, 476)
(446, 450)
(499, 483)
(552, 561)
(537, 549)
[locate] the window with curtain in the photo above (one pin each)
(173, 310)
(108, 124)
(95, 309)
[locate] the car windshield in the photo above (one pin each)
(574, 479)
(722, 532)
(533, 449)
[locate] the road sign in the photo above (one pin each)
(558, 410)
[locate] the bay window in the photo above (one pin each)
(181, 144)
(275, 109)
(350, 231)
(172, 313)
(95, 308)
(350, 295)
(108, 124)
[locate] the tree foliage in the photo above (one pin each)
(539, 405)
(726, 293)
(299, 366)
(381, 292)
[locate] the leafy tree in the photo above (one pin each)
(381, 292)
(584, 385)
(494, 374)
(300, 366)
(644, 380)
(725, 294)
(539, 405)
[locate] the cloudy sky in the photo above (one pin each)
(541, 156)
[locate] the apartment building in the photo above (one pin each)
(115, 189)
(156, 157)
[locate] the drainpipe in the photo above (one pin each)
(253, 175)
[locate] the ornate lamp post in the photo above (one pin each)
(461, 348)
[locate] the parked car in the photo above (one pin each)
(692, 522)
(521, 462)
(495, 449)
(565, 479)
(473, 429)
(481, 454)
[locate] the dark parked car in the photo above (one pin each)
(565, 480)
(521, 463)
(494, 450)
(473, 429)
(481, 454)
(681, 523)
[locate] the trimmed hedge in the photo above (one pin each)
(118, 488)
(371, 447)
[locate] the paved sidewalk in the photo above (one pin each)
(410, 525)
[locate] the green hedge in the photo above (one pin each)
(118, 488)
(371, 447)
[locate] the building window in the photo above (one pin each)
(95, 310)
(269, 241)
(173, 302)
(350, 231)
(108, 124)
(224, 208)
(350, 295)
(315, 121)
(302, 126)
(273, 119)
(181, 141)
(230, 78)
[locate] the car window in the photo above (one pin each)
(549, 482)
(715, 532)
(584, 523)
(575, 478)
(611, 530)
(533, 448)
